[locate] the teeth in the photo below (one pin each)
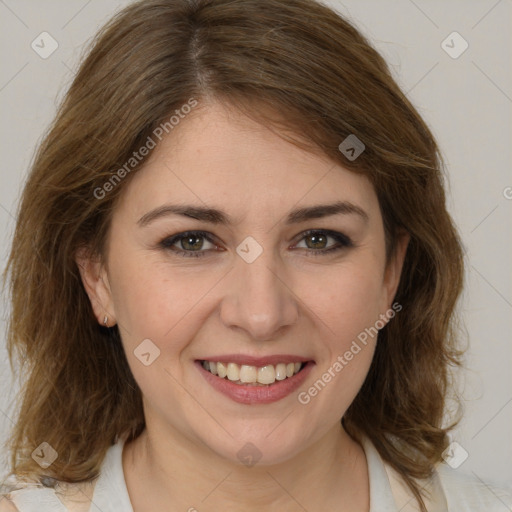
(222, 370)
(266, 374)
(280, 371)
(233, 371)
(246, 374)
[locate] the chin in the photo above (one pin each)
(259, 446)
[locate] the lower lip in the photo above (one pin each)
(248, 394)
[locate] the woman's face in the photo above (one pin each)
(239, 280)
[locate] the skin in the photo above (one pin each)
(288, 301)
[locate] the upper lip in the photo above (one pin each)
(260, 361)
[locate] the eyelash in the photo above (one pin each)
(342, 240)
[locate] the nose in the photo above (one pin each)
(259, 299)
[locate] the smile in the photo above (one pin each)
(252, 375)
(254, 381)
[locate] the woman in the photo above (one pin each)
(233, 276)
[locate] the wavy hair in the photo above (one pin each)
(298, 67)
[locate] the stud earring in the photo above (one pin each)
(105, 321)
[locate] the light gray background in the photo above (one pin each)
(466, 101)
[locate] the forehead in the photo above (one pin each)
(221, 158)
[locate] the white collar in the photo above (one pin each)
(381, 496)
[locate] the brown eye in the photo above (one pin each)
(190, 243)
(317, 241)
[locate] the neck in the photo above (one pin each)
(174, 472)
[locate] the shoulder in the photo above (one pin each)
(471, 492)
(6, 505)
(22, 496)
(12, 490)
(19, 495)
(9, 488)
(450, 490)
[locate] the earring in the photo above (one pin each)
(105, 321)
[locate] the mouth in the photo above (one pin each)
(253, 375)
(255, 381)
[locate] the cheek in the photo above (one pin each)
(346, 300)
(156, 301)
(348, 305)
(156, 315)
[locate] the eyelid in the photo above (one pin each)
(343, 242)
(169, 241)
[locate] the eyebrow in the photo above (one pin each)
(215, 216)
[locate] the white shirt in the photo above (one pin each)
(450, 491)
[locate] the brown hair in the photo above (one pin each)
(319, 81)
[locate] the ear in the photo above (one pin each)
(95, 280)
(394, 267)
